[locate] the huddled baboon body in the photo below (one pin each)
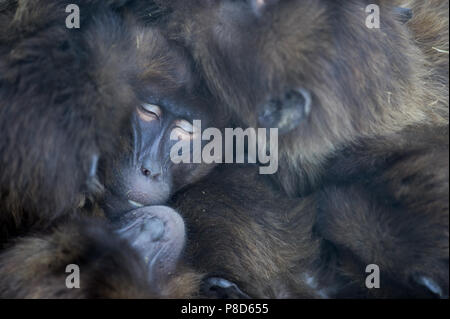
(66, 100)
(265, 239)
(373, 124)
(363, 167)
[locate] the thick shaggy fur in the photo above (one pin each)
(243, 229)
(378, 128)
(364, 82)
(55, 96)
(35, 266)
(373, 156)
(66, 98)
(276, 247)
(431, 33)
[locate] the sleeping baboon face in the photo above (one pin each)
(148, 174)
(145, 175)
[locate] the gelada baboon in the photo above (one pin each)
(231, 213)
(250, 240)
(363, 112)
(244, 237)
(150, 173)
(66, 99)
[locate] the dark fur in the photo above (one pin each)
(430, 27)
(380, 108)
(342, 119)
(35, 266)
(273, 250)
(180, 99)
(324, 47)
(52, 116)
(66, 97)
(243, 229)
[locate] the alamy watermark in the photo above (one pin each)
(373, 17)
(73, 19)
(373, 279)
(372, 20)
(261, 147)
(73, 279)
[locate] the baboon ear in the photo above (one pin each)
(260, 5)
(287, 111)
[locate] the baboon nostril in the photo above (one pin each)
(146, 172)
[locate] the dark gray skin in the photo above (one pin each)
(143, 178)
(147, 176)
(158, 234)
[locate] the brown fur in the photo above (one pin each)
(380, 108)
(367, 84)
(398, 95)
(393, 194)
(66, 96)
(430, 27)
(52, 103)
(36, 264)
(244, 230)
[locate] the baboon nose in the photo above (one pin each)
(148, 173)
(151, 171)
